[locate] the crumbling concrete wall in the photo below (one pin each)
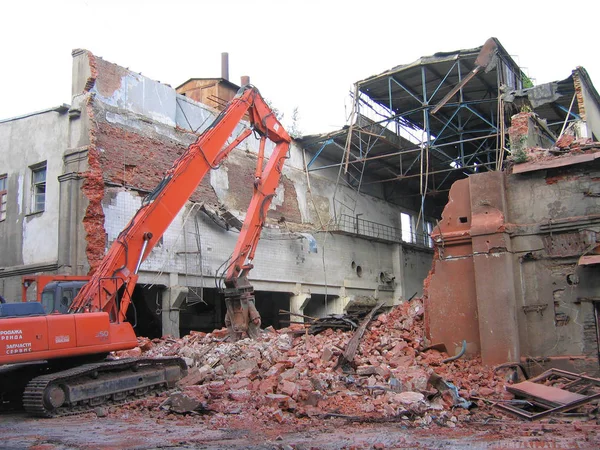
(556, 222)
(516, 290)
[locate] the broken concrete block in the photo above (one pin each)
(180, 403)
(216, 389)
(196, 376)
(486, 392)
(101, 411)
(239, 383)
(279, 400)
(327, 354)
(291, 374)
(278, 416)
(267, 386)
(133, 353)
(145, 344)
(366, 370)
(242, 365)
(275, 370)
(220, 334)
(400, 361)
(407, 398)
(382, 318)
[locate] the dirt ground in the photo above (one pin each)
(125, 429)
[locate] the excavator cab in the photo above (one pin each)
(58, 295)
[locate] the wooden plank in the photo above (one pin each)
(350, 351)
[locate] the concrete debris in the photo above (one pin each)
(284, 377)
(181, 403)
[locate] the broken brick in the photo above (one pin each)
(289, 388)
(273, 376)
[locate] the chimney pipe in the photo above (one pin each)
(245, 80)
(225, 66)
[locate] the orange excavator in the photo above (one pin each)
(57, 361)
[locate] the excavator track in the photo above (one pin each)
(83, 388)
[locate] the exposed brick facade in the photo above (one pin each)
(93, 190)
(137, 158)
(241, 181)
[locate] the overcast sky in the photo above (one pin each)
(304, 54)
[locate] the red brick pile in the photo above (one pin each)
(284, 375)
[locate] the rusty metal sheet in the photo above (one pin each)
(548, 412)
(553, 163)
(552, 400)
(547, 394)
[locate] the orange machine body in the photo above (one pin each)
(55, 336)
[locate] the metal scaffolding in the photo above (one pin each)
(417, 128)
(428, 123)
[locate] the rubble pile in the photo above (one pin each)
(285, 375)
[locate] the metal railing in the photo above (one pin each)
(356, 226)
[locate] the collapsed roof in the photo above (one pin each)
(419, 127)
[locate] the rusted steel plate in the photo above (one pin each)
(547, 394)
(555, 162)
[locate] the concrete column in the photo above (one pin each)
(172, 299)
(398, 267)
(71, 237)
(336, 304)
(297, 304)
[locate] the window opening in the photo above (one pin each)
(3, 196)
(406, 224)
(38, 187)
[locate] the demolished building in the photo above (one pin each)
(511, 253)
(85, 168)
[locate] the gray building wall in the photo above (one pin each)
(28, 239)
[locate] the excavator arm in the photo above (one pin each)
(112, 284)
(242, 316)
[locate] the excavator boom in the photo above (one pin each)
(118, 270)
